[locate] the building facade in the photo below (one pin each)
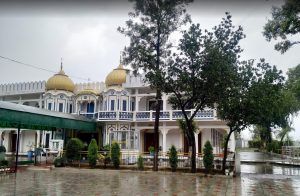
(124, 107)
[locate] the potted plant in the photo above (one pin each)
(151, 150)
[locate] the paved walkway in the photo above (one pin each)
(73, 181)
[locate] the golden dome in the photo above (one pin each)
(60, 81)
(116, 77)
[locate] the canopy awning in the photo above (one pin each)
(27, 117)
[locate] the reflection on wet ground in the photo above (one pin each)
(73, 181)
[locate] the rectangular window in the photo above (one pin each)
(71, 109)
(112, 105)
(60, 107)
(124, 105)
(49, 106)
(132, 106)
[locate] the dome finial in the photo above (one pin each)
(61, 64)
(120, 65)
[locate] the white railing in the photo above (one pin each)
(170, 115)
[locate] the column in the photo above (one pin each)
(1, 142)
(164, 133)
(21, 141)
(137, 101)
(196, 141)
(38, 135)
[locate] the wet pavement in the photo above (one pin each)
(73, 181)
(255, 179)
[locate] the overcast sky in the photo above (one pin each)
(86, 37)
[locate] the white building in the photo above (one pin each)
(123, 106)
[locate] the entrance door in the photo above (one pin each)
(13, 142)
(199, 143)
(148, 141)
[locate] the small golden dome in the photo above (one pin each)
(60, 81)
(116, 77)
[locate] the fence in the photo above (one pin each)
(130, 158)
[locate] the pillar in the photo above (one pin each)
(164, 139)
(196, 141)
(165, 101)
(1, 141)
(38, 141)
(137, 101)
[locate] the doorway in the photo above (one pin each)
(13, 142)
(148, 141)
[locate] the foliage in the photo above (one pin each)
(274, 146)
(151, 149)
(201, 71)
(173, 158)
(115, 154)
(59, 162)
(2, 149)
(208, 158)
(255, 144)
(3, 162)
(140, 163)
(93, 153)
(73, 149)
(285, 22)
(149, 30)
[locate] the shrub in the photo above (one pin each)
(140, 163)
(59, 162)
(93, 153)
(115, 154)
(208, 157)
(73, 148)
(255, 144)
(2, 149)
(173, 158)
(3, 162)
(274, 146)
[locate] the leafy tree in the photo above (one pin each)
(173, 158)
(93, 153)
(285, 22)
(115, 154)
(208, 158)
(284, 132)
(257, 98)
(73, 149)
(197, 77)
(149, 30)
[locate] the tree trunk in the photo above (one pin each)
(156, 129)
(193, 158)
(225, 151)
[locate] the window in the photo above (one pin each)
(132, 106)
(71, 108)
(152, 105)
(124, 105)
(60, 107)
(112, 105)
(49, 106)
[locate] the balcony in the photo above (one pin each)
(208, 114)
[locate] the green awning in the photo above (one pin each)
(26, 117)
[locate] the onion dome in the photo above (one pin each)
(116, 77)
(60, 81)
(88, 92)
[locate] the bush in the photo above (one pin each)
(274, 146)
(2, 149)
(59, 162)
(93, 153)
(208, 157)
(173, 158)
(3, 162)
(255, 144)
(115, 154)
(73, 148)
(140, 163)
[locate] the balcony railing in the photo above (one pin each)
(150, 115)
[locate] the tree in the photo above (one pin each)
(285, 22)
(173, 158)
(149, 30)
(197, 77)
(93, 153)
(115, 154)
(208, 158)
(73, 148)
(257, 98)
(284, 132)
